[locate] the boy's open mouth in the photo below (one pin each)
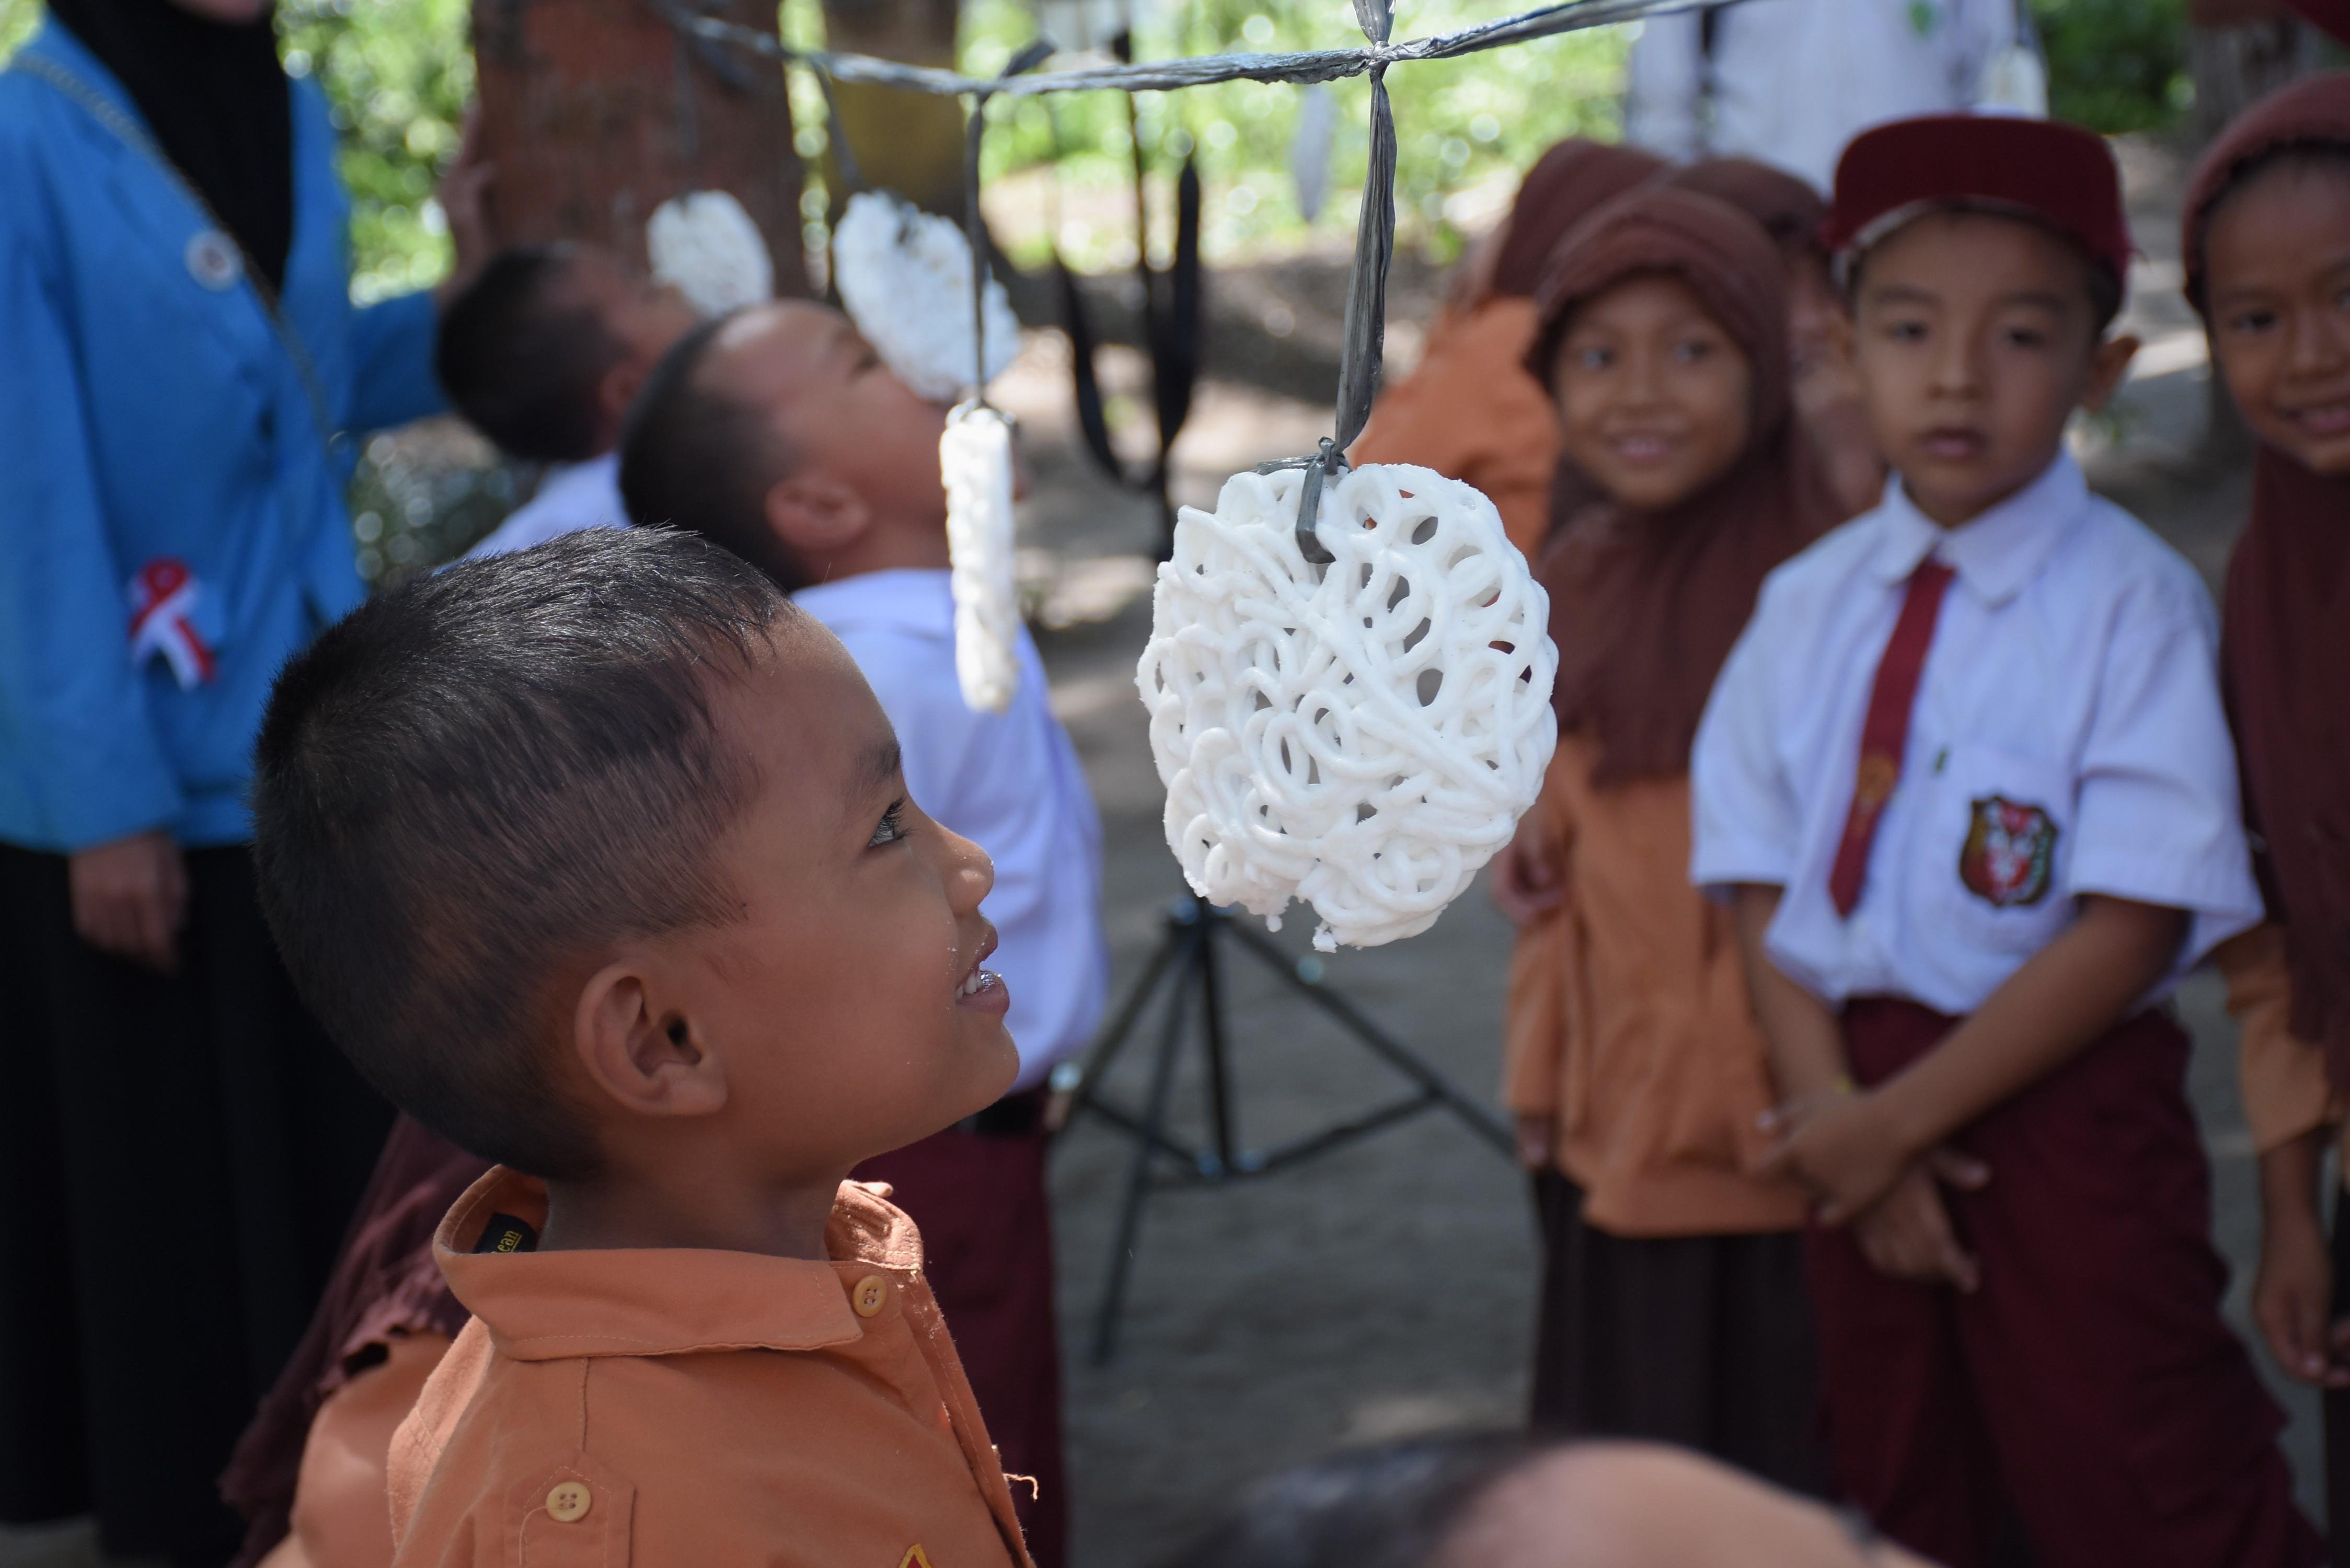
(981, 985)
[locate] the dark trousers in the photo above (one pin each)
(2090, 1383)
(2337, 1404)
(976, 1192)
(178, 1158)
(1705, 1341)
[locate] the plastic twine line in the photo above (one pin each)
(1034, 53)
(1167, 76)
(844, 157)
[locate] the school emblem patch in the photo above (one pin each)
(2010, 855)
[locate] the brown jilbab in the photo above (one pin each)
(1786, 206)
(1644, 607)
(1564, 187)
(2284, 645)
(385, 1282)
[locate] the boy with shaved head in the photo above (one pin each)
(780, 434)
(598, 859)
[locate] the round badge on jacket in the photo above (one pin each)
(213, 259)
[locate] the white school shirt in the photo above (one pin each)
(1010, 782)
(1790, 82)
(572, 496)
(2067, 738)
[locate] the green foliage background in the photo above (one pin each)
(2115, 65)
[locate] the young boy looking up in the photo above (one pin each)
(543, 353)
(1966, 774)
(779, 434)
(598, 860)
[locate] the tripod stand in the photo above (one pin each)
(1190, 957)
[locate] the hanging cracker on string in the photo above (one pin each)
(905, 276)
(706, 247)
(975, 461)
(1363, 736)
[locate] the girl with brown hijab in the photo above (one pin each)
(1470, 410)
(2267, 253)
(1673, 1303)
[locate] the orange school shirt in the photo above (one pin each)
(695, 1408)
(1628, 1027)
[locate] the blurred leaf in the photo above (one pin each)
(2115, 65)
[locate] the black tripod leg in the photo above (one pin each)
(1221, 1116)
(1113, 1039)
(1138, 1180)
(1478, 1117)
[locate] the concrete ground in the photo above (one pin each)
(1389, 1288)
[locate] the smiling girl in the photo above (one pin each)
(1673, 1303)
(2267, 248)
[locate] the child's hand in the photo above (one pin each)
(2293, 1301)
(1836, 1145)
(1906, 1234)
(1525, 873)
(1537, 1142)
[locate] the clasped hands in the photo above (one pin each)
(1838, 1144)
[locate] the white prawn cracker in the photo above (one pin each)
(904, 276)
(1363, 735)
(975, 461)
(706, 246)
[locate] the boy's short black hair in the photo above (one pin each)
(2104, 285)
(520, 354)
(692, 457)
(483, 774)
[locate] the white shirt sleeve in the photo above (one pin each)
(1978, 32)
(1664, 99)
(1746, 823)
(2158, 819)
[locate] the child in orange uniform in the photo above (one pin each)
(598, 860)
(1672, 1298)
(2267, 250)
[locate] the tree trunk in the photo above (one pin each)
(596, 111)
(908, 143)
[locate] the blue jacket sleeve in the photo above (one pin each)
(75, 730)
(391, 362)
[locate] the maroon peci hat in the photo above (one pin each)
(2059, 174)
(2331, 16)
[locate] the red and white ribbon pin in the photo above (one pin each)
(162, 597)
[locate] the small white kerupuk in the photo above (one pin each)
(1363, 735)
(706, 247)
(975, 462)
(904, 276)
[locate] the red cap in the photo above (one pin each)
(2060, 174)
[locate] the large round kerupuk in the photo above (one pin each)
(904, 276)
(1363, 735)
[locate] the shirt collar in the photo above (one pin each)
(1994, 554)
(550, 1306)
(920, 599)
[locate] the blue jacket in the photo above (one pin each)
(158, 433)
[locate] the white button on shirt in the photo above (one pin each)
(2067, 738)
(1009, 784)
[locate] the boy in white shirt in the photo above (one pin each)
(1967, 777)
(778, 432)
(1789, 82)
(543, 353)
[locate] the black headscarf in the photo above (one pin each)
(216, 101)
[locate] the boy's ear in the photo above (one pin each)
(2108, 365)
(616, 392)
(642, 1054)
(815, 515)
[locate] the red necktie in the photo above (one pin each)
(1885, 734)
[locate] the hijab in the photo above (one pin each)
(2284, 644)
(1644, 607)
(1559, 191)
(217, 103)
(1786, 206)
